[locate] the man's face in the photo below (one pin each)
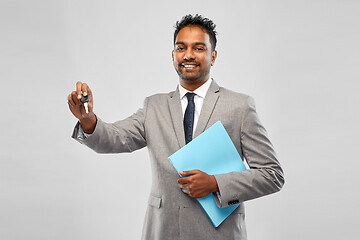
(192, 55)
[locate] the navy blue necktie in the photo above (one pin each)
(189, 117)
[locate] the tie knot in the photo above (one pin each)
(190, 96)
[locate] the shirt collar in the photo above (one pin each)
(200, 91)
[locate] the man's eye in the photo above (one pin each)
(179, 48)
(200, 49)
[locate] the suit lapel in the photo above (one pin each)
(177, 116)
(208, 106)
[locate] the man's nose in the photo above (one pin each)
(189, 55)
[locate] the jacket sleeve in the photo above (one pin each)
(264, 176)
(122, 136)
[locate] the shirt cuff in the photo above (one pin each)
(81, 134)
(218, 196)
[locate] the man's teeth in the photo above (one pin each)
(189, 66)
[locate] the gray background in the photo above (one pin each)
(298, 59)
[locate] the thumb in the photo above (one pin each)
(188, 173)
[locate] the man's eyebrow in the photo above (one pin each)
(197, 43)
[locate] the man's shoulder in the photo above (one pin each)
(224, 92)
(235, 99)
(159, 99)
(160, 96)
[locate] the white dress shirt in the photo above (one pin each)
(198, 99)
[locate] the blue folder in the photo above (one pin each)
(212, 152)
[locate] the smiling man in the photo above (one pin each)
(169, 121)
(193, 56)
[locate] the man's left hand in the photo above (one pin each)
(197, 184)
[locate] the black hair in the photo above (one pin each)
(200, 21)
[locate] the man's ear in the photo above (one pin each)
(213, 57)
(172, 55)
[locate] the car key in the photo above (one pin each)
(85, 100)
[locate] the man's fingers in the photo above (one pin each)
(186, 191)
(181, 185)
(74, 97)
(84, 89)
(188, 173)
(184, 188)
(183, 180)
(78, 89)
(186, 176)
(70, 100)
(88, 91)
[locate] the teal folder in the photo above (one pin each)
(212, 152)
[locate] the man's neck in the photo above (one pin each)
(193, 85)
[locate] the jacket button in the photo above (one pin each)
(233, 202)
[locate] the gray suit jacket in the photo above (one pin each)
(158, 125)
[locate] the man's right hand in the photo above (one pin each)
(87, 120)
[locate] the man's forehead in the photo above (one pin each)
(192, 34)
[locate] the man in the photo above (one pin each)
(168, 121)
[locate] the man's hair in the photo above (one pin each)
(199, 21)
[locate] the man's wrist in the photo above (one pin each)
(88, 123)
(215, 187)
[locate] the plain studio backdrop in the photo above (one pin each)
(299, 60)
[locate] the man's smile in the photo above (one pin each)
(189, 66)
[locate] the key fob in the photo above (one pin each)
(84, 99)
